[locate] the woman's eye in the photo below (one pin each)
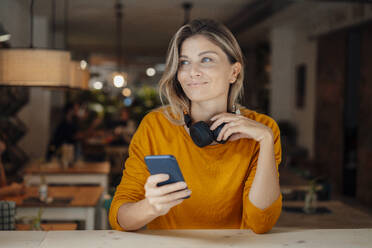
(184, 62)
(206, 60)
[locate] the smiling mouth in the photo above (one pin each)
(196, 84)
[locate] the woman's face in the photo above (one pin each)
(204, 71)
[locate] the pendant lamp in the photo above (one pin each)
(118, 76)
(187, 6)
(34, 67)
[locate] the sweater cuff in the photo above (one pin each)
(261, 221)
(113, 216)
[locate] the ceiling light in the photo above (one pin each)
(98, 85)
(119, 81)
(150, 72)
(128, 101)
(126, 92)
(83, 64)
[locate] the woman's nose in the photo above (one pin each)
(195, 70)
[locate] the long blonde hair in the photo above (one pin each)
(170, 89)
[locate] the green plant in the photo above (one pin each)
(146, 99)
(36, 222)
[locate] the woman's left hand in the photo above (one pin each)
(238, 127)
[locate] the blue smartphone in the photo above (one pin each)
(165, 164)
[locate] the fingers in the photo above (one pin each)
(225, 128)
(228, 132)
(218, 116)
(237, 124)
(163, 198)
(224, 118)
(165, 189)
(163, 208)
(164, 203)
(153, 180)
(169, 198)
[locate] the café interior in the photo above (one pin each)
(77, 77)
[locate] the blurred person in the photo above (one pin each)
(5, 189)
(77, 125)
(66, 131)
(123, 129)
(232, 170)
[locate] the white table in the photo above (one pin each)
(82, 173)
(83, 214)
(278, 237)
(83, 206)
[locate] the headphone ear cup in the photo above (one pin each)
(217, 131)
(201, 134)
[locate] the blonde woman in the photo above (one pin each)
(232, 179)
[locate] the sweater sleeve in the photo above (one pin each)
(135, 174)
(261, 221)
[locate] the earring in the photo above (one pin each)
(235, 110)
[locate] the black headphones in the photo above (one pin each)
(200, 132)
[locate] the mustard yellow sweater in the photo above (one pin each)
(219, 176)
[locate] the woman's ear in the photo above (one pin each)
(236, 68)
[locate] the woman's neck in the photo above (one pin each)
(204, 111)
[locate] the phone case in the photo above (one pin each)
(164, 164)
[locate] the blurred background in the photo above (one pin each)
(77, 77)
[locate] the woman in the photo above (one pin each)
(234, 184)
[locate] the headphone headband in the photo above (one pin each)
(188, 120)
(200, 132)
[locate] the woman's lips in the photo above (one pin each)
(196, 84)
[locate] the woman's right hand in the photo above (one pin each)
(163, 198)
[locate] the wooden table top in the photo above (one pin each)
(85, 196)
(49, 227)
(342, 216)
(277, 237)
(80, 167)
